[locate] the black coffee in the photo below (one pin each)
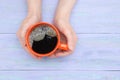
(45, 45)
(43, 39)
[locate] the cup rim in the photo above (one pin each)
(27, 44)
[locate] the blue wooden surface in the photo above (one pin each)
(97, 55)
(59, 75)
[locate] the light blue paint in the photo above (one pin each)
(97, 24)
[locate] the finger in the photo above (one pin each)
(21, 36)
(69, 33)
(63, 53)
(22, 31)
(70, 40)
(54, 55)
(23, 45)
(67, 30)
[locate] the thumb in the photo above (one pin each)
(69, 36)
(67, 30)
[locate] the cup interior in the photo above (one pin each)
(43, 39)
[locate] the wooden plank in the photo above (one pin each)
(93, 52)
(87, 17)
(59, 75)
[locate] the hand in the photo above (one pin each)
(28, 21)
(61, 20)
(70, 36)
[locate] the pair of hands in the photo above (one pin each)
(63, 26)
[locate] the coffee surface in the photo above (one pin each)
(43, 39)
(45, 45)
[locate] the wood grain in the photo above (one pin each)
(60, 75)
(96, 57)
(87, 16)
(93, 52)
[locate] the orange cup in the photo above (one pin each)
(59, 45)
